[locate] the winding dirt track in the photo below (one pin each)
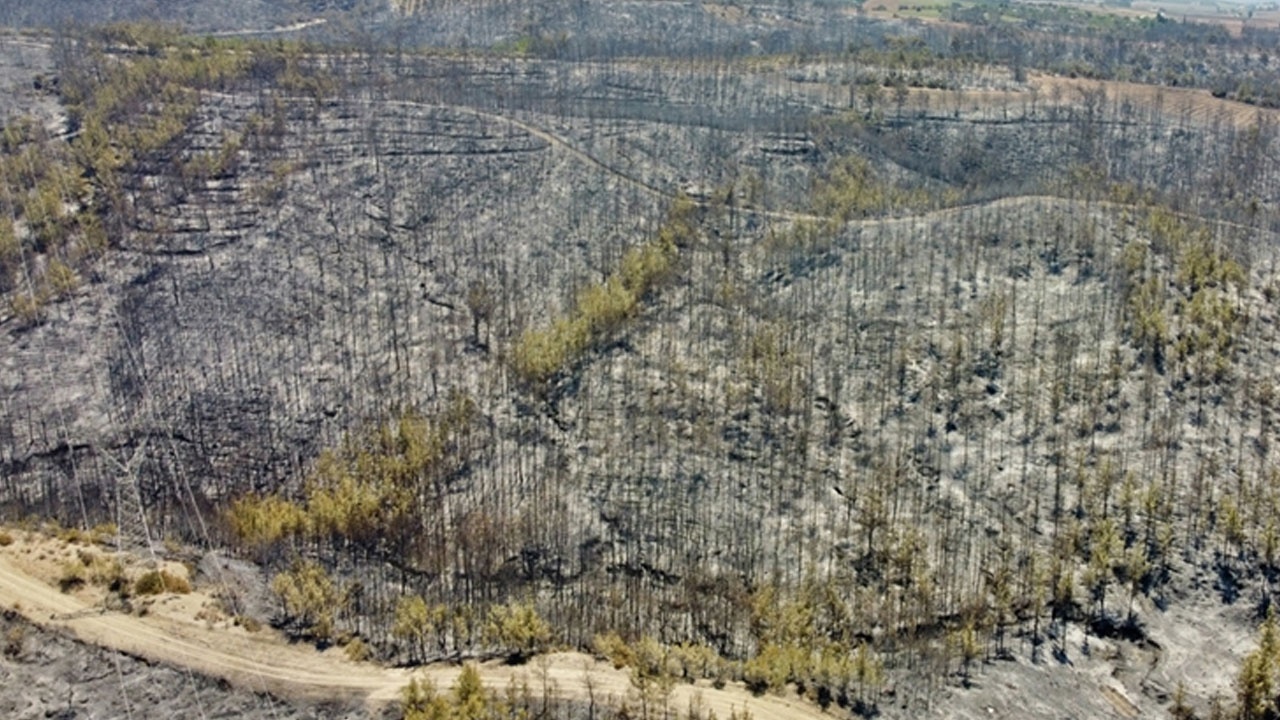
(280, 30)
(567, 146)
(263, 662)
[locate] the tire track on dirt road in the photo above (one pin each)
(294, 670)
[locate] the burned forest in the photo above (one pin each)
(639, 359)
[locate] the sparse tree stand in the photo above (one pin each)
(415, 624)
(1259, 676)
(310, 598)
(1064, 604)
(1105, 547)
(652, 681)
(467, 700)
(518, 630)
(868, 674)
(968, 648)
(420, 701)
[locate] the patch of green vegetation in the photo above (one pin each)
(310, 596)
(468, 700)
(1188, 312)
(602, 309)
(851, 189)
(363, 491)
(532, 44)
(518, 629)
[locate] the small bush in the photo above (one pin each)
(72, 535)
(5, 539)
(151, 583)
(73, 576)
(613, 648)
(310, 598)
(27, 309)
(15, 642)
(156, 582)
(358, 650)
(62, 280)
(104, 571)
(519, 630)
(103, 534)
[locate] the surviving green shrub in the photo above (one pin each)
(613, 648)
(156, 582)
(357, 650)
(851, 189)
(601, 309)
(467, 700)
(72, 577)
(310, 598)
(260, 521)
(519, 630)
(27, 308)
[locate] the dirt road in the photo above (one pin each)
(265, 662)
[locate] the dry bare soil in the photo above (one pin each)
(194, 641)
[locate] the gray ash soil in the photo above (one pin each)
(197, 15)
(578, 29)
(28, 82)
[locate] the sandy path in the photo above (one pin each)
(282, 29)
(1244, 114)
(264, 662)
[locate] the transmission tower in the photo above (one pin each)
(132, 531)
